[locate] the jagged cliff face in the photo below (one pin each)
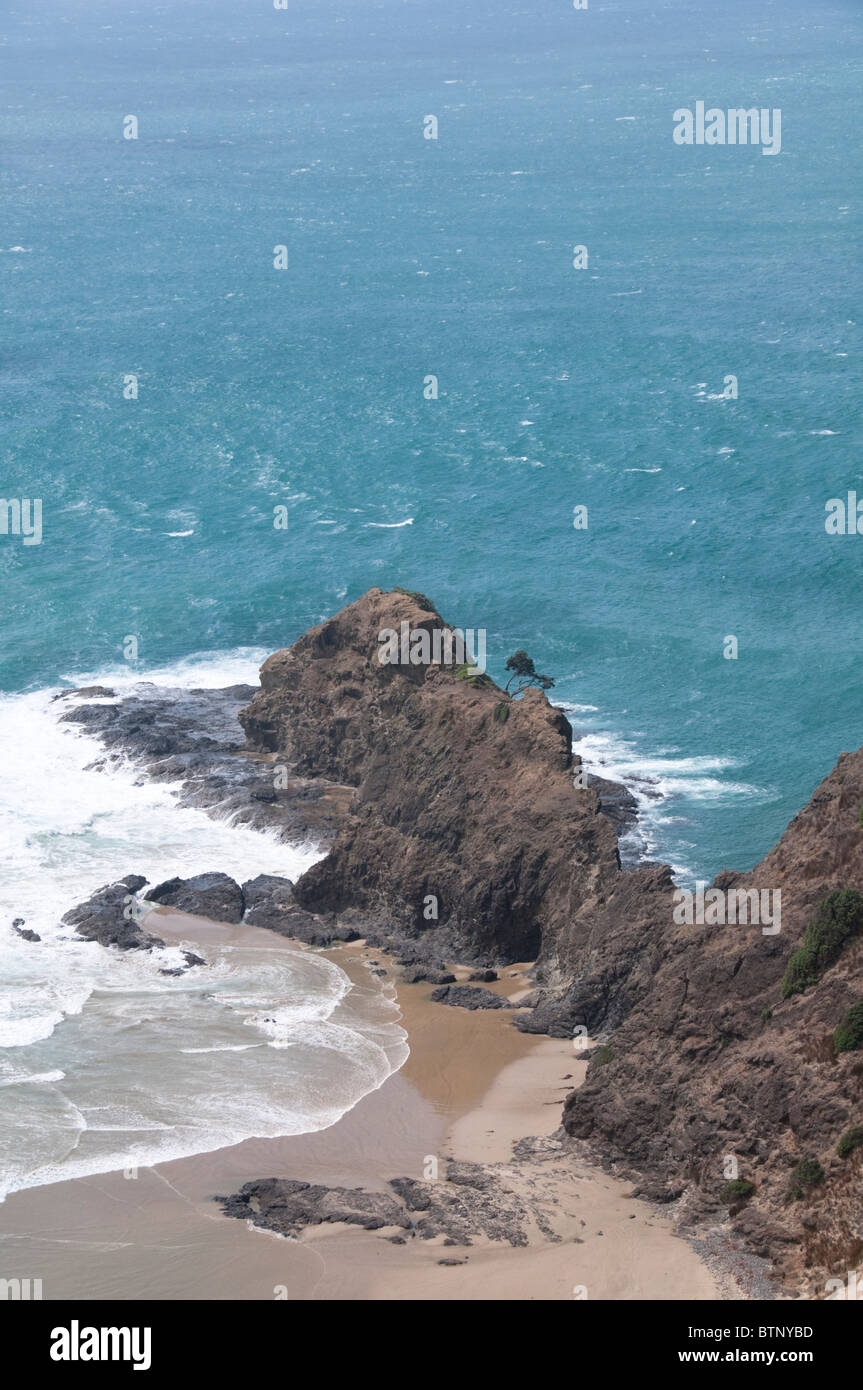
(711, 1060)
(461, 793)
(465, 796)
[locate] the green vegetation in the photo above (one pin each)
(501, 713)
(479, 681)
(849, 1035)
(837, 918)
(808, 1173)
(766, 1015)
(419, 599)
(852, 1139)
(736, 1188)
(525, 672)
(603, 1055)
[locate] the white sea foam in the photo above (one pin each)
(104, 1061)
(662, 782)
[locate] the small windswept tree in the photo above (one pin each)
(524, 671)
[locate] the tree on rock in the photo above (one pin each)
(524, 671)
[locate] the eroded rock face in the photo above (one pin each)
(464, 802)
(712, 1062)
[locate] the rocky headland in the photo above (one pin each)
(458, 832)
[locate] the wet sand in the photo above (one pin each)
(471, 1086)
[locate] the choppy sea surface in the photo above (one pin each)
(304, 388)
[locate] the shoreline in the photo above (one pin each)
(471, 1086)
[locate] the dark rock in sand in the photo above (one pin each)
(212, 895)
(285, 1206)
(462, 1210)
(456, 1211)
(469, 997)
(487, 977)
(426, 974)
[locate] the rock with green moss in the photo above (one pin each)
(852, 1139)
(849, 1035)
(838, 918)
(477, 679)
(419, 599)
(736, 1190)
(806, 1175)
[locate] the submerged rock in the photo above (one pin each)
(26, 934)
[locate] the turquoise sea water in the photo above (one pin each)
(408, 257)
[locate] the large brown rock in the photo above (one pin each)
(463, 794)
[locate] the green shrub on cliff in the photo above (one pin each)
(849, 1035)
(852, 1139)
(837, 918)
(603, 1055)
(419, 599)
(501, 713)
(478, 681)
(808, 1173)
(735, 1189)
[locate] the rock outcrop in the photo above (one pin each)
(114, 914)
(457, 832)
(213, 895)
(464, 798)
(714, 1075)
(465, 821)
(192, 738)
(471, 1201)
(110, 918)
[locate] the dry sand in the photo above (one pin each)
(471, 1086)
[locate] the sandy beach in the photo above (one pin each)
(471, 1087)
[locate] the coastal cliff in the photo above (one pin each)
(711, 1087)
(725, 1061)
(747, 1047)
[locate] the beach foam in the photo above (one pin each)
(104, 1061)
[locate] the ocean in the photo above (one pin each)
(164, 388)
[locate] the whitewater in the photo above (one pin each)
(105, 1062)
